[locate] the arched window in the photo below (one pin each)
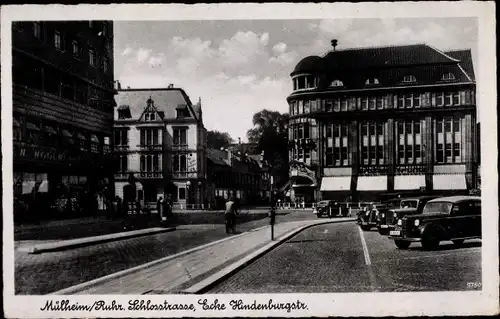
(409, 79)
(337, 83)
(448, 77)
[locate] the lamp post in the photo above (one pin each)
(272, 213)
(200, 201)
(188, 185)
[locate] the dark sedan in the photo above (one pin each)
(454, 218)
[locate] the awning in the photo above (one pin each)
(32, 126)
(50, 130)
(336, 183)
(409, 182)
(80, 136)
(449, 182)
(372, 183)
(94, 138)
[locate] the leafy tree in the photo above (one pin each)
(216, 139)
(270, 132)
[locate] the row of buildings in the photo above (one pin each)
(79, 138)
(371, 121)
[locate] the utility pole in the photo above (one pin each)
(272, 211)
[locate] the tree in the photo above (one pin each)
(217, 140)
(270, 132)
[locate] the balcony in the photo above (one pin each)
(151, 147)
(185, 174)
(179, 147)
(150, 175)
(121, 176)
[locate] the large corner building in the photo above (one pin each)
(63, 102)
(372, 121)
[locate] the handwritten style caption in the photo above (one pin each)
(203, 304)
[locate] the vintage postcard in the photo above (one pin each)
(249, 160)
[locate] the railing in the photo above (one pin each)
(178, 147)
(120, 148)
(121, 175)
(150, 174)
(184, 174)
(156, 147)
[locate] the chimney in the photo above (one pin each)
(239, 140)
(118, 85)
(229, 157)
(334, 43)
(171, 86)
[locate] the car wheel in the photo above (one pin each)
(401, 244)
(458, 242)
(365, 227)
(430, 241)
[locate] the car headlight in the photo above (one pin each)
(417, 222)
(382, 215)
(367, 213)
(400, 222)
(395, 215)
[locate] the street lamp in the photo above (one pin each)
(199, 194)
(188, 185)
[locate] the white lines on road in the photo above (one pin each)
(365, 247)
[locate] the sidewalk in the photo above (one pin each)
(180, 272)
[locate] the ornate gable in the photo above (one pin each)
(150, 112)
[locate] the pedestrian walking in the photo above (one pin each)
(160, 208)
(230, 215)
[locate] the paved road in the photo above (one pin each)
(331, 258)
(49, 272)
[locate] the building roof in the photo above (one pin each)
(165, 100)
(388, 64)
(217, 157)
(465, 57)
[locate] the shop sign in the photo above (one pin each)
(43, 154)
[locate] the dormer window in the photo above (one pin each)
(372, 81)
(337, 83)
(304, 82)
(182, 112)
(409, 79)
(124, 112)
(448, 77)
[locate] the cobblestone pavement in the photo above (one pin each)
(49, 272)
(331, 258)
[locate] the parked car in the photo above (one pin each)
(455, 218)
(323, 208)
(368, 218)
(406, 206)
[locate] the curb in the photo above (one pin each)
(209, 282)
(89, 241)
(79, 287)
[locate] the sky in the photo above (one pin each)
(239, 67)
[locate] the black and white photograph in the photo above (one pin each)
(249, 160)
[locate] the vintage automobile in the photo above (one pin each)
(331, 208)
(454, 218)
(368, 218)
(323, 208)
(407, 206)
